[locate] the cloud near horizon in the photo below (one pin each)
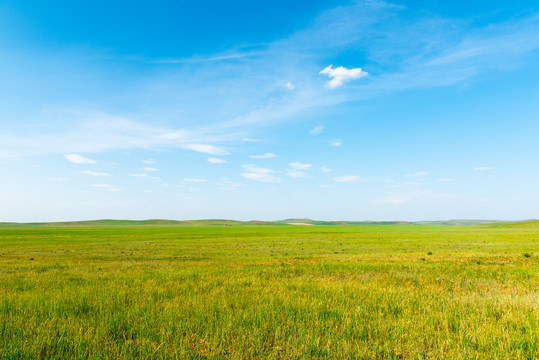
(78, 159)
(264, 156)
(95, 173)
(256, 173)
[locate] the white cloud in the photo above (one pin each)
(102, 185)
(444, 179)
(144, 176)
(325, 169)
(483, 168)
(417, 174)
(150, 161)
(299, 166)
(346, 178)
(195, 180)
(335, 142)
(149, 169)
(250, 140)
(395, 199)
(264, 156)
(206, 149)
(418, 197)
(317, 130)
(78, 159)
(108, 187)
(296, 174)
(57, 179)
(229, 185)
(290, 86)
(259, 174)
(341, 75)
(94, 173)
(213, 160)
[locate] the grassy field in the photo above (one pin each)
(278, 292)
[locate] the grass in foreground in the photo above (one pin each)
(270, 292)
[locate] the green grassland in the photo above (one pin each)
(120, 291)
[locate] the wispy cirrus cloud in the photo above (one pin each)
(79, 159)
(317, 130)
(417, 174)
(233, 101)
(347, 178)
(195, 180)
(144, 176)
(206, 149)
(264, 156)
(256, 173)
(299, 166)
(108, 187)
(95, 173)
(213, 160)
(296, 174)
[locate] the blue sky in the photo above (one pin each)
(337, 110)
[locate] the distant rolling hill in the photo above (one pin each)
(304, 221)
(525, 223)
(147, 223)
(285, 222)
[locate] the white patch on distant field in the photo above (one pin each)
(417, 174)
(290, 86)
(335, 142)
(341, 75)
(94, 173)
(317, 130)
(206, 149)
(213, 160)
(78, 159)
(299, 166)
(346, 178)
(325, 169)
(253, 172)
(483, 168)
(264, 156)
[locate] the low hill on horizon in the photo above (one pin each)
(150, 222)
(285, 222)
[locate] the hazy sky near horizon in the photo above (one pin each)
(336, 110)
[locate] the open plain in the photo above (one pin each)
(103, 291)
